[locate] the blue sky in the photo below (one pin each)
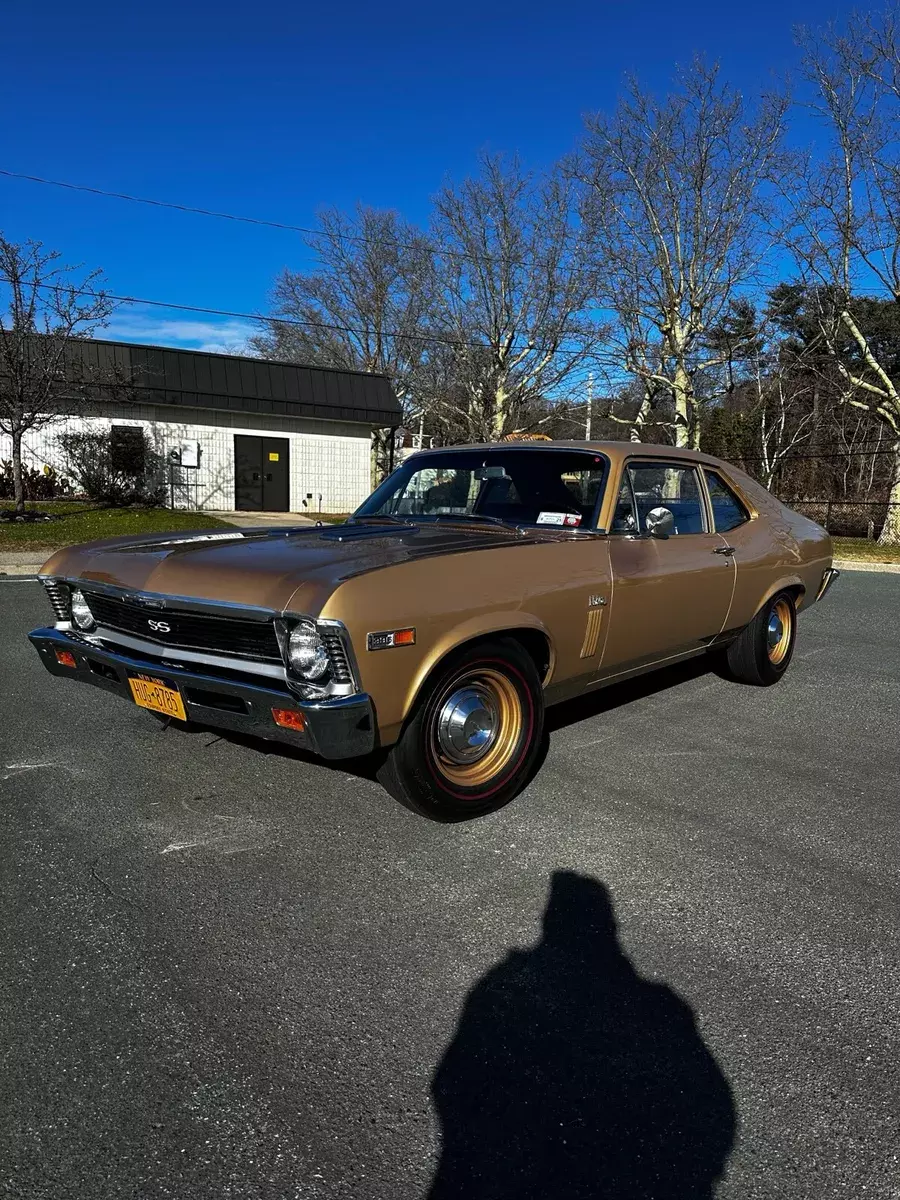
(277, 110)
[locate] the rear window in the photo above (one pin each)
(728, 510)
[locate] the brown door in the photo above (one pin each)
(668, 595)
(262, 471)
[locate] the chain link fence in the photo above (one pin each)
(845, 518)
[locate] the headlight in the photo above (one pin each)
(81, 613)
(306, 653)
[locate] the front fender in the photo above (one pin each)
(483, 625)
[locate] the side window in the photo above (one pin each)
(666, 485)
(728, 511)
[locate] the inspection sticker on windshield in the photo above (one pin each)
(558, 518)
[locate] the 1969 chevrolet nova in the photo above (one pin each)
(474, 587)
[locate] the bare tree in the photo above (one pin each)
(47, 309)
(367, 305)
(786, 418)
(514, 290)
(847, 219)
(677, 209)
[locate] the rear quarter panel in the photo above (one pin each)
(454, 598)
(777, 549)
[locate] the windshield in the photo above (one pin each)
(521, 487)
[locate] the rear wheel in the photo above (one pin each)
(761, 653)
(472, 740)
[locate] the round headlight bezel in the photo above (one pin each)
(82, 616)
(306, 653)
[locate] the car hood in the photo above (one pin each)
(282, 569)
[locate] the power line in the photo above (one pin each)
(264, 320)
(438, 250)
(814, 457)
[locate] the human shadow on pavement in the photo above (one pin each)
(571, 1076)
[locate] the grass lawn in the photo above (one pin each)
(863, 550)
(84, 522)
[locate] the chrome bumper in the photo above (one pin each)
(340, 728)
(828, 578)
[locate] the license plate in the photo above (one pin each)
(156, 695)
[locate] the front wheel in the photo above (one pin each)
(473, 737)
(762, 651)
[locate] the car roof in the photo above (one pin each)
(613, 450)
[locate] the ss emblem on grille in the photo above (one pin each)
(160, 626)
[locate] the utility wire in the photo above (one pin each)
(789, 457)
(441, 251)
(264, 320)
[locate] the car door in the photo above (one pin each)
(755, 544)
(669, 595)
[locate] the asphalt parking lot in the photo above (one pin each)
(670, 969)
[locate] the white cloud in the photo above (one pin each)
(228, 336)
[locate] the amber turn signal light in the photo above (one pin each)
(390, 637)
(289, 718)
(66, 658)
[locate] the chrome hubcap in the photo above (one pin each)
(776, 629)
(467, 724)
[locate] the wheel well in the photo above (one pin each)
(535, 644)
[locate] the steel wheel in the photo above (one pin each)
(474, 735)
(779, 630)
(761, 652)
(476, 727)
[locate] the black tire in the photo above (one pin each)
(425, 771)
(759, 657)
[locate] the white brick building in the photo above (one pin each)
(270, 436)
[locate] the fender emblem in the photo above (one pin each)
(596, 601)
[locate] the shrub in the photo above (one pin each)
(114, 470)
(44, 484)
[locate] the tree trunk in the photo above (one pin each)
(687, 428)
(890, 534)
(643, 412)
(18, 485)
(498, 417)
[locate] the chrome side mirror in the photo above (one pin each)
(659, 522)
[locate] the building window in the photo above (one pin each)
(127, 449)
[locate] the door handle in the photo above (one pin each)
(255, 476)
(269, 477)
(728, 551)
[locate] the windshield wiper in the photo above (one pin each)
(473, 517)
(382, 517)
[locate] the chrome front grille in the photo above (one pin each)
(224, 630)
(184, 630)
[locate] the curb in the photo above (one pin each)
(20, 570)
(848, 564)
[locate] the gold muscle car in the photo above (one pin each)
(473, 588)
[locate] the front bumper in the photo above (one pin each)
(340, 728)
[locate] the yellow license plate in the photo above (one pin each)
(158, 697)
